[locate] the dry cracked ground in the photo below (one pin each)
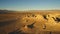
(34, 22)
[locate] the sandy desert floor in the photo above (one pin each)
(30, 22)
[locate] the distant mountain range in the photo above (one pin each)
(5, 11)
(11, 11)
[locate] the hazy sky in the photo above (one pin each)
(29, 4)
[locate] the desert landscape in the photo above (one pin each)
(30, 22)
